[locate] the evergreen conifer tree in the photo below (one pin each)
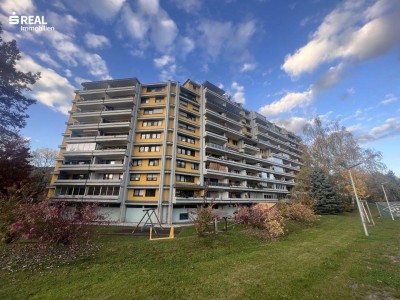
(327, 200)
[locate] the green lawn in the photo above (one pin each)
(332, 260)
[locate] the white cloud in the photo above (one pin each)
(188, 5)
(79, 80)
(137, 52)
(65, 23)
(150, 23)
(247, 67)
(348, 93)
(187, 45)
(329, 78)
(391, 127)
(168, 73)
(217, 37)
(103, 9)
(350, 32)
(163, 61)
(221, 86)
(293, 124)
(163, 31)
(68, 73)
(238, 96)
(45, 57)
(96, 41)
(389, 98)
(358, 112)
(51, 89)
(21, 7)
(288, 102)
(73, 55)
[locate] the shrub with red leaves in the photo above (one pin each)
(268, 220)
(54, 223)
(301, 213)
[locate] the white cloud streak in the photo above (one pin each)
(353, 31)
(96, 41)
(52, 89)
(390, 128)
(238, 96)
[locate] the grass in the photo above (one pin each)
(332, 260)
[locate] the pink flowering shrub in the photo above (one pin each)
(301, 213)
(54, 223)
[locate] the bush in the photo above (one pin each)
(268, 220)
(54, 223)
(301, 213)
(202, 217)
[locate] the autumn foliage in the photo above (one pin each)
(54, 223)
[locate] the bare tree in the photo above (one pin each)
(331, 148)
(43, 161)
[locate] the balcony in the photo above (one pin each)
(250, 149)
(215, 136)
(226, 119)
(100, 104)
(121, 113)
(224, 128)
(96, 125)
(223, 107)
(86, 198)
(87, 182)
(100, 138)
(91, 167)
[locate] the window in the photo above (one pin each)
(235, 143)
(151, 135)
(187, 116)
(138, 193)
(186, 151)
(80, 176)
(108, 176)
(184, 193)
(151, 177)
(137, 162)
(195, 108)
(145, 100)
(149, 149)
(186, 127)
(184, 178)
(156, 88)
(180, 164)
(152, 123)
(135, 177)
(184, 216)
(150, 193)
(153, 111)
(194, 166)
(159, 99)
(184, 103)
(186, 139)
(153, 162)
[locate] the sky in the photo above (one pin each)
(289, 60)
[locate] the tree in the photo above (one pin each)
(14, 161)
(13, 86)
(331, 148)
(327, 201)
(42, 161)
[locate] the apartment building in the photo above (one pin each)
(130, 146)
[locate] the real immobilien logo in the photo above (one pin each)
(33, 23)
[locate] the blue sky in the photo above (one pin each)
(289, 60)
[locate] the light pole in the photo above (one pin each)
(384, 192)
(357, 200)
